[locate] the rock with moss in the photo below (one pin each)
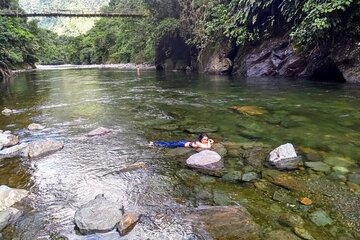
(223, 222)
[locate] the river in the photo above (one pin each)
(145, 106)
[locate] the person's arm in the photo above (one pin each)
(202, 145)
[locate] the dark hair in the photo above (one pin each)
(201, 136)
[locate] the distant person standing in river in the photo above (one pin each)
(138, 70)
(202, 141)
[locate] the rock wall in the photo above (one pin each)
(276, 57)
(172, 53)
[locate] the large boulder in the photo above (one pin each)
(98, 215)
(41, 148)
(9, 196)
(223, 222)
(7, 139)
(207, 162)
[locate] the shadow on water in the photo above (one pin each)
(319, 118)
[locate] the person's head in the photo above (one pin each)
(203, 138)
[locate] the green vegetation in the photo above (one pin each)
(18, 43)
(308, 23)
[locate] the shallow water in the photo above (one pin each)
(71, 103)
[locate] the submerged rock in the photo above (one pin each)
(98, 132)
(35, 126)
(303, 233)
(320, 218)
(224, 222)
(256, 157)
(281, 235)
(249, 110)
(202, 129)
(98, 215)
(206, 161)
(318, 166)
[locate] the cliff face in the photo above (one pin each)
(274, 57)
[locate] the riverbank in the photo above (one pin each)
(124, 66)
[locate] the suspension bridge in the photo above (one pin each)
(69, 13)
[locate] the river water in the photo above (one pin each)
(138, 108)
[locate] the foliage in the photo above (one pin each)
(307, 21)
(324, 18)
(18, 43)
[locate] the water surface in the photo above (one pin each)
(320, 116)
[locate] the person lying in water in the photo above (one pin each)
(202, 141)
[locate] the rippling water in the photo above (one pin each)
(71, 103)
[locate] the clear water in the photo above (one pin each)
(70, 103)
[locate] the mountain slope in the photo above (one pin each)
(64, 26)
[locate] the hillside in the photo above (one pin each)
(64, 26)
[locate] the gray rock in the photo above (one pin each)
(7, 139)
(98, 132)
(284, 157)
(320, 218)
(282, 152)
(223, 222)
(12, 151)
(9, 196)
(207, 162)
(318, 166)
(41, 148)
(232, 176)
(127, 223)
(98, 215)
(7, 216)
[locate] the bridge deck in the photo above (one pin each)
(71, 14)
